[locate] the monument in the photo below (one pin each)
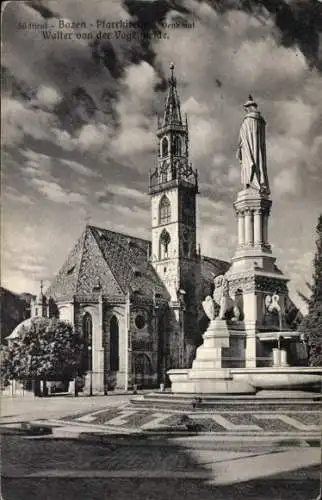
(252, 149)
(247, 346)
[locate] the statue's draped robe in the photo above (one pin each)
(252, 151)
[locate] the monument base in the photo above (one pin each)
(207, 375)
(207, 381)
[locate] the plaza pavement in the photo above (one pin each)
(27, 407)
(105, 438)
(68, 415)
(58, 468)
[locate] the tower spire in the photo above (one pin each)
(172, 113)
(173, 144)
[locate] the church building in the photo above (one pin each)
(138, 302)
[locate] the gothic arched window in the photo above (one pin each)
(164, 146)
(164, 167)
(176, 145)
(114, 344)
(88, 341)
(164, 211)
(164, 244)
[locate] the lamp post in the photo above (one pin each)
(181, 298)
(126, 340)
(160, 341)
(75, 384)
(90, 371)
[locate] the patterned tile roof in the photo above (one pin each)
(211, 267)
(127, 257)
(107, 262)
(112, 263)
(65, 282)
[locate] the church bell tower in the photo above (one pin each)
(173, 189)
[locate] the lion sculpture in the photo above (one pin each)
(221, 299)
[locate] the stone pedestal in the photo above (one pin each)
(252, 211)
(209, 354)
(207, 375)
(253, 274)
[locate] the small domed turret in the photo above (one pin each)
(40, 305)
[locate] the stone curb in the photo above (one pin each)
(91, 432)
(26, 429)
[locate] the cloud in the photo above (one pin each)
(130, 219)
(92, 137)
(79, 106)
(194, 108)
(24, 119)
(79, 168)
(210, 210)
(299, 269)
(26, 263)
(205, 134)
(48, 96)
(132, 140)
(136, 131)
(36, 164)
(16, 196)
(286, 182)
(54, 192)
(122, 191)
(216, 241)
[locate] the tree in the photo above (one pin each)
(44, 349)
(311, 325)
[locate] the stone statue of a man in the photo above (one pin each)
(252, 149)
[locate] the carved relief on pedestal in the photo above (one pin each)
(271, 285)
(274, 314)
(244, 282)
(249, 282)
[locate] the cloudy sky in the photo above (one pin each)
(79, 120)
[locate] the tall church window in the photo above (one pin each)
(164, 146)
(114, 344)
(164, 211)
(164, 244)
(174, 171)
(88, 341)
(176, 145)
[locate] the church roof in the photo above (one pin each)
(113, 264)
(210, 268)
(127, 257)
(110, 263)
